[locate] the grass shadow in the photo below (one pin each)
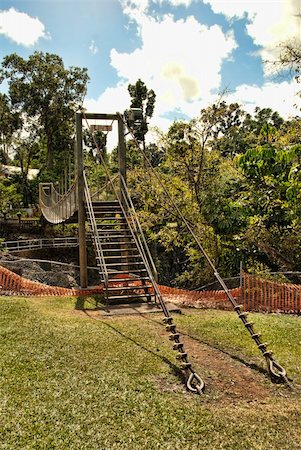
(89, 303)
(248, 364)
(175, 370)
(81, 305)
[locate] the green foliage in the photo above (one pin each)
(268, 169)
(8, 195)
(290, 60)
(9, 122)
(44, 90)
(143, 99)
(96, 143)
(178, 259)
(236, 179)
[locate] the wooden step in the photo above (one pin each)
(105, 202)
(119, 250)
(130, 243)
(113, 225)
(121, 257)
(114, 230)
(121, 218)
(111, 213)
(129, 288)
(122, 272)
(118, 258)
(107, 208)
(130, 297)
(113, 237)
(121, 280)
(120, 264)
(117, 220)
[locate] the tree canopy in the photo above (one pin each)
(41, 88)
(235, 175)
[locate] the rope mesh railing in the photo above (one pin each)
(56, 207)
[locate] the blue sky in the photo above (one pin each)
(186, 50)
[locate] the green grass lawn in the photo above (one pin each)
(69, 381)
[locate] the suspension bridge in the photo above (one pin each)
(126, 267)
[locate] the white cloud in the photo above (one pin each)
(180, 59)
(112, 100)
(93, 48)
(134, 8)
(270, 21)
(141, 6)
(175, 2)
(235, 8)
(279, 96)
(21, 28)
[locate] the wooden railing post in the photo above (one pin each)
(81, 203)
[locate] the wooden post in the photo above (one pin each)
(241, 285)
(81, 205)
(121, 149)
(122, 174)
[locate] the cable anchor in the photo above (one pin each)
(195, 384)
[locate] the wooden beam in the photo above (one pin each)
(81, 204)
(100, 116)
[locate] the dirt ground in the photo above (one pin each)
(228, 378)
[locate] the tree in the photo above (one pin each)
(289, 60)
(43, 89)
(143, 99)
(8, 195)
(96, 143)
(177, 257)
(220, 124)
(185, 154)
(291, 54)
(26, 150)
(9, 123)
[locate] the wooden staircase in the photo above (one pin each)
(126, 278)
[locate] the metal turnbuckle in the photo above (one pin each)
(195, 384)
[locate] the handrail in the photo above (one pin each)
(143, 255)
(39, 243)
(98, 247)
(137, 226)
(93, 195)
(126, 207)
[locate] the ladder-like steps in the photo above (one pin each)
(121, 256)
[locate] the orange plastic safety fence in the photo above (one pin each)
(257, 294)
(13, 283)
(261, 294)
